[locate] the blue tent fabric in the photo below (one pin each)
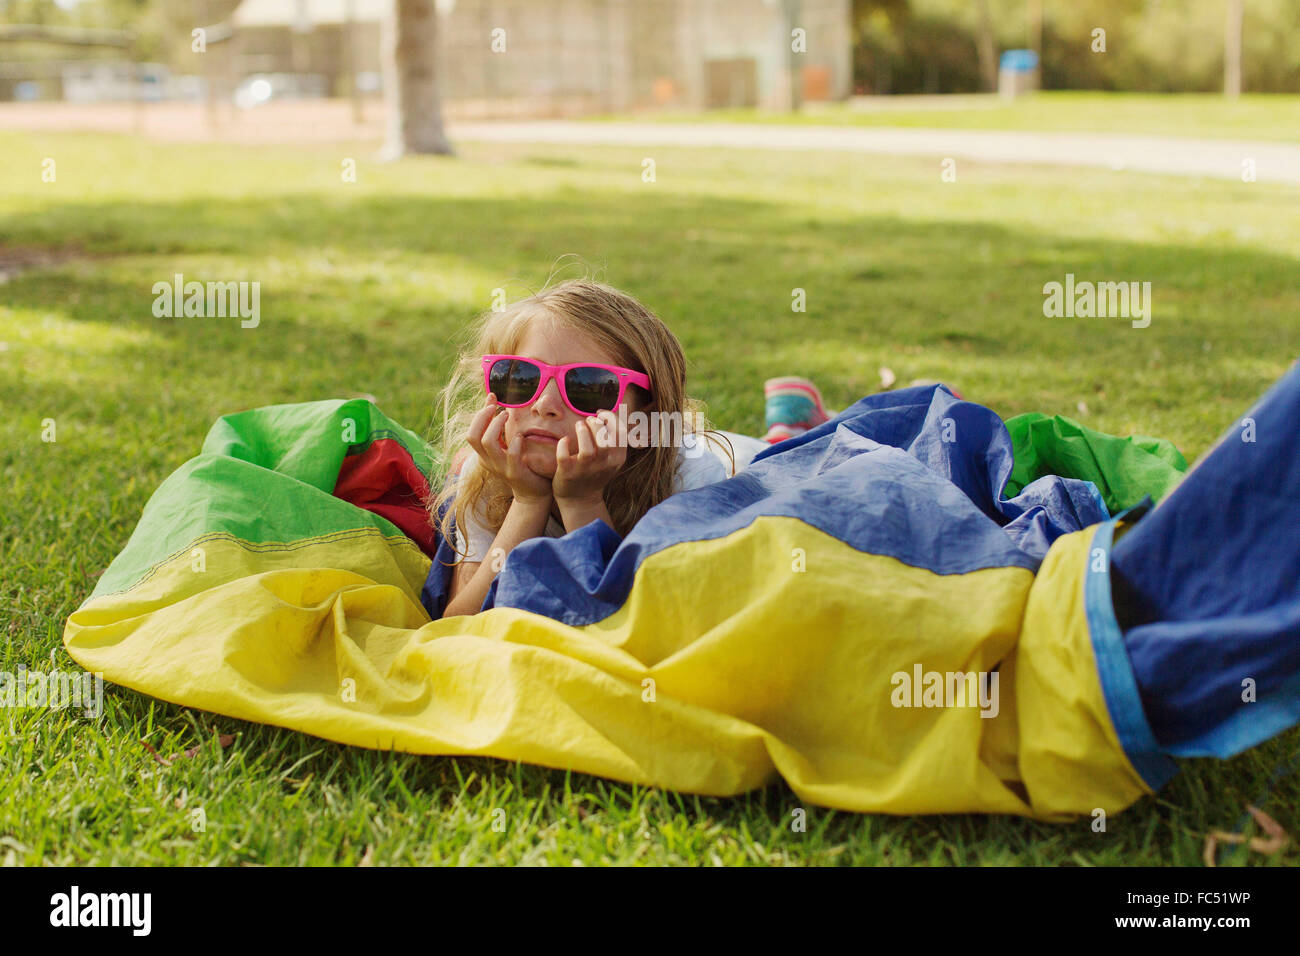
(1124, 701)
(969, 445)
(1207, 589)
(916, 474)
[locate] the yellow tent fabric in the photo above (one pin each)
(706, 681)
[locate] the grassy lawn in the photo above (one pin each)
(1260, 116)
(364, 285)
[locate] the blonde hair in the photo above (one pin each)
(621, 326)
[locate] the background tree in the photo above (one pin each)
(1232, 49)
(986, 43)
(943, 46)
(411, 81)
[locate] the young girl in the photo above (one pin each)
(536, 425)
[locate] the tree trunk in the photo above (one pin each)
(793, 18)
(1232, 50)
(987, 47)
(411, 78)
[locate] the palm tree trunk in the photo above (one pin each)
(411, 78)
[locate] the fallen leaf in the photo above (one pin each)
(1276, 840)
(156, 755)
(1277, 837)
(223, 740)
(887, 377)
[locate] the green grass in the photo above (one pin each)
(364, 284)
(1259, 116)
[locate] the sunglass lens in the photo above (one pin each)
(591, 389)
(514, 382)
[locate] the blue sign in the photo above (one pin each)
(1019, 61)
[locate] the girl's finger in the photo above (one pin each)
(615, 429)
(586, 443)
(514, 452)
(492, 437)
(479, 422)
(599, 432)
(474, 437)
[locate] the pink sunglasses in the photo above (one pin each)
(586, 387)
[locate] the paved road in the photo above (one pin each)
(1273, 162)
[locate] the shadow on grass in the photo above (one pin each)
(720, 271)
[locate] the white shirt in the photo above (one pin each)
(694, 471)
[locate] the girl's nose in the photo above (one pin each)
(549, 402)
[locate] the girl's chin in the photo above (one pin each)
(541, 461)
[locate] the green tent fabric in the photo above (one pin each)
(1123, 469)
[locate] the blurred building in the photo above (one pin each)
(564, 57)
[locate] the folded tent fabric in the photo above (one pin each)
(749, 629)
(385, 478)
(1208, 590)
(1125, 470)
(264, 483)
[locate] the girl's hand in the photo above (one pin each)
(582, 473)
(485, 438)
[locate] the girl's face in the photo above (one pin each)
(543, 423)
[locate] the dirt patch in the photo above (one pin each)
(287, 121)
(15, 260)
